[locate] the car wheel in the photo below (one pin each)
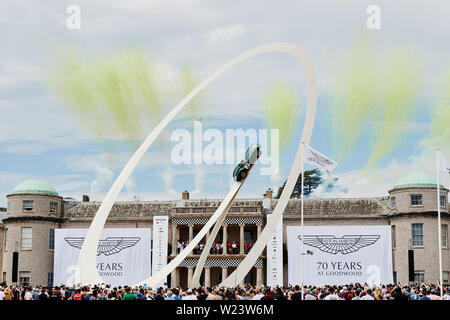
(243, 174)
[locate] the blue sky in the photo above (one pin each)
(41, 138)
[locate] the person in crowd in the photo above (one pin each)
(129, 295)
(190, 295)
(348, 292)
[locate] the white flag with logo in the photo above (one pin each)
(443, 164)
(315, 158)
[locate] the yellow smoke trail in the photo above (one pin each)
(281, 111)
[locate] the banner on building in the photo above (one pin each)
(123, 255)
(160, 243)
(339, 255)
(275, 256)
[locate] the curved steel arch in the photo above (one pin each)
(87, 271)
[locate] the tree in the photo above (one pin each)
(313, 178)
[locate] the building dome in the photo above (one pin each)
(35, 186)
(417, 179)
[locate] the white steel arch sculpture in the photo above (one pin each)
(87, 271)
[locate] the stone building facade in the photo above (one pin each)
(35, 210)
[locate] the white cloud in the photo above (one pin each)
(228, 33)
(103, 179)
(369, 183)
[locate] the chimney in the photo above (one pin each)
(268, 193)
(85, 198)
(185, 195)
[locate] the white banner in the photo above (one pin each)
(123, 255)
(275, 256)
(339, 255)
(160, 243)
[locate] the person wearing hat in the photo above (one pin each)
(8, 294)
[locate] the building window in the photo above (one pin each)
(394, 241)
(28, 205)
(444, 235)
(417, 235)
(50, 279)
(443, 202)
(26, 238)
(393, 203)
(53, 207)
(24, 278)
(416, 199)
(419, 276)
(51, 241)
(445, 277)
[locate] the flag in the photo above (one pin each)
(315, 158)
(443, 164)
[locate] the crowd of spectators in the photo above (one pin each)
(233, 247)
(247, 292)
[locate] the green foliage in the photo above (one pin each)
(313, 179)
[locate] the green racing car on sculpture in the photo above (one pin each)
(251, 155)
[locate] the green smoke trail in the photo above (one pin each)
(439, 135)
(355, 98)
(400, 90)
(375, 94)
(186, 83)
(115, 93)
(281, 111)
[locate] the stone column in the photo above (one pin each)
(174, 239)
(174, 278)
(259, 276)
(241, 238)
(225, 240)
(191, 236)
(207, 276)
(224, 273)
(191, 232)
(259, 226)
(190, 274)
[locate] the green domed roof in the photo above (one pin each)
(417, 179)
(35, 186)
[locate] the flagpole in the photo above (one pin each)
(439, 221)
(303, 231)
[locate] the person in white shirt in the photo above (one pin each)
(368, 295)
(258, 295)
(189, 296)
(332, 295)
(2, 294)
(28, 295)
(309, 296)
(446, 296)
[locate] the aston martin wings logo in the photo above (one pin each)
(108, 246)
(345, 245)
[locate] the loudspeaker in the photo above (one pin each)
(411, 265)
(15, 266)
